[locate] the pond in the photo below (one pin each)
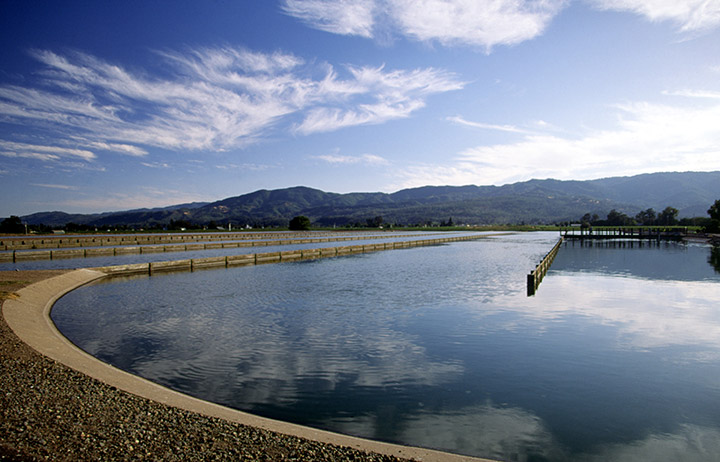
(617, 357)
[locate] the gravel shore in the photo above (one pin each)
(51, 412)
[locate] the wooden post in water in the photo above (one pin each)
(536, 276)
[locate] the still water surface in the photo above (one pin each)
(616, 358)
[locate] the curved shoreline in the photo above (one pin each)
(28, 315)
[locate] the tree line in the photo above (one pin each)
(649, 217)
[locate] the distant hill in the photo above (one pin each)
(530, 202)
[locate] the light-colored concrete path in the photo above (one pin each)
(28, 316)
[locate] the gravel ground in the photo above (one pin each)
(51, 412)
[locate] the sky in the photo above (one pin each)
(110, 106)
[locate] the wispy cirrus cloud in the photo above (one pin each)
(126, 149)
(694, 94)
(485, 126)
(483, 24)
(689, 15)
(56, 186)
(146, 197)
(163, 165)
(368, 159)
(43, 152)
(211, 99)
(244, 167)
(647, 137)
(477, 23)
(383, 95)
(345, 17)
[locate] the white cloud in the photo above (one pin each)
(480, 23)
(245, 166)
(381, 96)
(450, 22)
(648, 137)
(694, 94)
(485, 126)
(155, 164)
(30, 155)
(370, 159)
(473, 22)
(12, 149)
(144, 198)
(55, 186)
(126, 149)
(690, 15)
(345, 17)
(215, 99)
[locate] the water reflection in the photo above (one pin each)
(439, 346)
(643, 259)
(488, 429)
(714, 258)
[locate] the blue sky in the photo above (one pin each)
(118, 105)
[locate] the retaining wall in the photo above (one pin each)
(25, 254)
(271, 257)
(56, 242)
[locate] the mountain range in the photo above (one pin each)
(528, 202)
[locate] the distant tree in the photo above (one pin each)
(375, 222)
(12, 225)
(646, 217)
(179, 224)
(72, 227)
(714, 258)
(668, 217)
(714, 212)
(695, 221)
(41, 228)
(300, 223)
(589, 219)
(615, 218)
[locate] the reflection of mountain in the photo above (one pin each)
(647, 260)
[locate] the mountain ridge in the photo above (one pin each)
(534, 201)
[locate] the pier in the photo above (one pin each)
(605, 233)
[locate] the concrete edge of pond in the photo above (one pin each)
(28, 316)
